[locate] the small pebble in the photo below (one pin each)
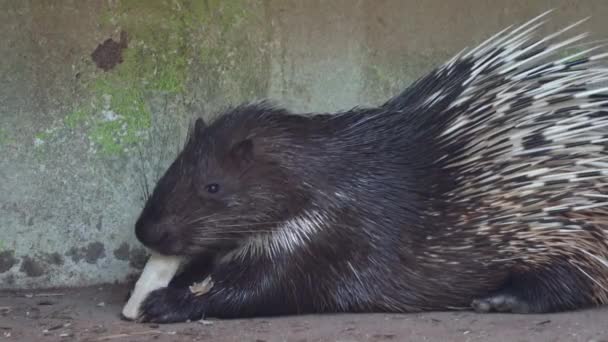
(45, 302)
(99, 329)
(54, 327)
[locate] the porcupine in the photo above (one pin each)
(481, 186)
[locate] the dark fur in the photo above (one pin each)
(376, 176)
(379, 230)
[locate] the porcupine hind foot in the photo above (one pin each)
(558, 288)
(501, 302)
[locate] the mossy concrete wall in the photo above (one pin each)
(95, 96)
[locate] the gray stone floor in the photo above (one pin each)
(91, 314)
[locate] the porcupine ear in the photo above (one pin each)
(196, 130)
(241, 153)
(199, 126)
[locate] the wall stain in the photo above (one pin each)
(7, 260)
(122, 252)
(31, 267)
(138, 258)
(99, 224)
(75, 254)
(54, 259)
(10, 279)
(94, 251)
(90, 254)
(109, 53)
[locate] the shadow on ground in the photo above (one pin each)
(91, 314)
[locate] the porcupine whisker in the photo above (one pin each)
(255, 231)
(229, 232)
(231, 223)
(236, 218)
(222, 226)
(225, 228)
(236, 235)
(215, 230)
(198, 219)
(253, 224)
(214, 221)
(198, 238)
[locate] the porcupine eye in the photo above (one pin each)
(212, 188)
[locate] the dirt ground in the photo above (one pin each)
(91, 314)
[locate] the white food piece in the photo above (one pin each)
(157, 273)
(199, 289)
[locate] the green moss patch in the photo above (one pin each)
(173, 48)
(75, 118)
(4, 137)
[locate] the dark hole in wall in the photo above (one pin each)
(7, 260)
(122, 252)
(90, 253)
(109, 53)
(31, 267)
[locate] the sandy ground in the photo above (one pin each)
(91, 314)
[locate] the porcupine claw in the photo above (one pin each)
(500, 303)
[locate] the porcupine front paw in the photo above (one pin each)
(501, 302)
(171, 305)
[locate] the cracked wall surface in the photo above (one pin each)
(96, 96)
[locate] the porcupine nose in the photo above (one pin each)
(151, 235)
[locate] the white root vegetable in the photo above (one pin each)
(157, 273)
(199, 289)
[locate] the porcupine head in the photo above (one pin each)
(229, 182)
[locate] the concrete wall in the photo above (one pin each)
(78, 134)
